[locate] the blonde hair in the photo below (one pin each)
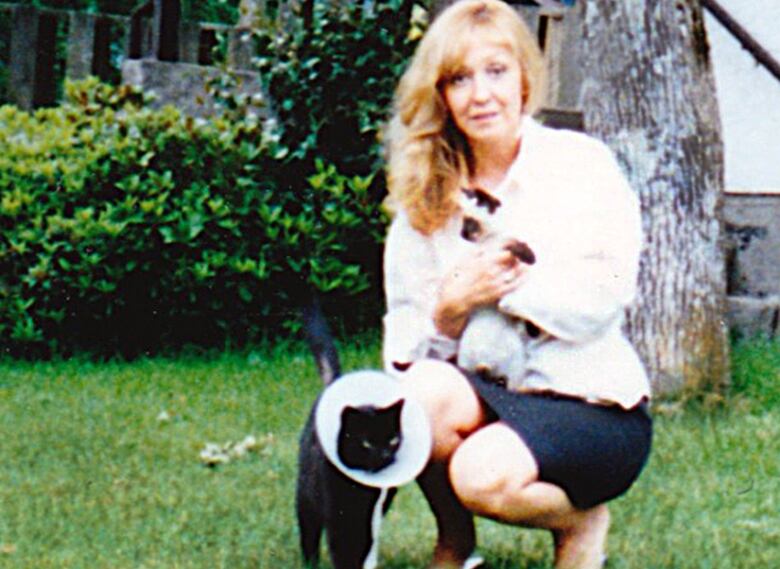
(426, 154)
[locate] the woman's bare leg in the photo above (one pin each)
(494, 475)
(455, 412)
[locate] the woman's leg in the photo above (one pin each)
(455, 412)
(495, 475)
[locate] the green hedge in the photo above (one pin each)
(124, 229)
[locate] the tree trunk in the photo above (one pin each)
(649, 92)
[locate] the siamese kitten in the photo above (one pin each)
(328, 501)
(493, 343)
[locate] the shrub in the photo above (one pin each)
(125, 229)
(331, 75)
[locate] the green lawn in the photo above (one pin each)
(91, 474)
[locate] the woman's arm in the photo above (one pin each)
(589, 276)
(478, 281)
(426, 313)
(411, 286)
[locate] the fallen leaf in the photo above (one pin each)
(7, 549)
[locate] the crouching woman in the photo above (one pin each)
(551, 447)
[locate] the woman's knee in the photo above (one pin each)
(449, 401)
(489, 467)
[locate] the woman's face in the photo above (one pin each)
(484, 96)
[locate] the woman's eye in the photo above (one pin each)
(496, 70)
(458, 79)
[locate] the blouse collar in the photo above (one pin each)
(526, 133)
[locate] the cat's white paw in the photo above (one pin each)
(473, 562)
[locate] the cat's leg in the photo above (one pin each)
(351, 522)
(309, 494)
(308, 506)
(310, 526)
(389, 499)
(486, 342)
(456, 536)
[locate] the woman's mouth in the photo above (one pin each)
(483, 117)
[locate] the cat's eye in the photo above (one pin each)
(367, 444)
(395, 440)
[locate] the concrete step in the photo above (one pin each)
(750, 316)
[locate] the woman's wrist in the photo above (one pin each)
(450, 316)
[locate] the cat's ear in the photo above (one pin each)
(486, 200)
(348, 412)
(469, 193)
(397, 407)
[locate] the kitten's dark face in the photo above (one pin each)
(370, 436)
(478, 205)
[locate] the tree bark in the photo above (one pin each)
(648, 91)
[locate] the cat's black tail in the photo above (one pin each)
(320, 339)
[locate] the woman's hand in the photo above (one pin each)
(480, 280)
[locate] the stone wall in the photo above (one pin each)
(184, 85)
(753, 261)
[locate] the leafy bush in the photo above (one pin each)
(331, 75)
(124, 229)
(204, 10)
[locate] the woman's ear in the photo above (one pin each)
(525, 88)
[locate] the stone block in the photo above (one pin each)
(753, 243)
(81, 41)
(184, 85)
(750, 316)
(189, 36)
(240, 48)
(21, 68)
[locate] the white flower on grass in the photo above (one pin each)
(247, 445)
(214, 454)
(7, 548)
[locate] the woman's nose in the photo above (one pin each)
(481, 88)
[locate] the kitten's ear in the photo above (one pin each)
(469, 193)
(487, 200)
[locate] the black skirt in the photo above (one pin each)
(593, 452)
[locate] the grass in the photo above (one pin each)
(92, 476)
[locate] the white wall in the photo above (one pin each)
(748, 95)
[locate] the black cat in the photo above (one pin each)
(370, 437)
(327, 500)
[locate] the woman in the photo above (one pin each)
(573, 432)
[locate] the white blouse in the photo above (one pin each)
(571, 203)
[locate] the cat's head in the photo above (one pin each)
(479, 208)
(480, 223)
(370, 436)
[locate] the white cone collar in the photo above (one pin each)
(381, 390)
